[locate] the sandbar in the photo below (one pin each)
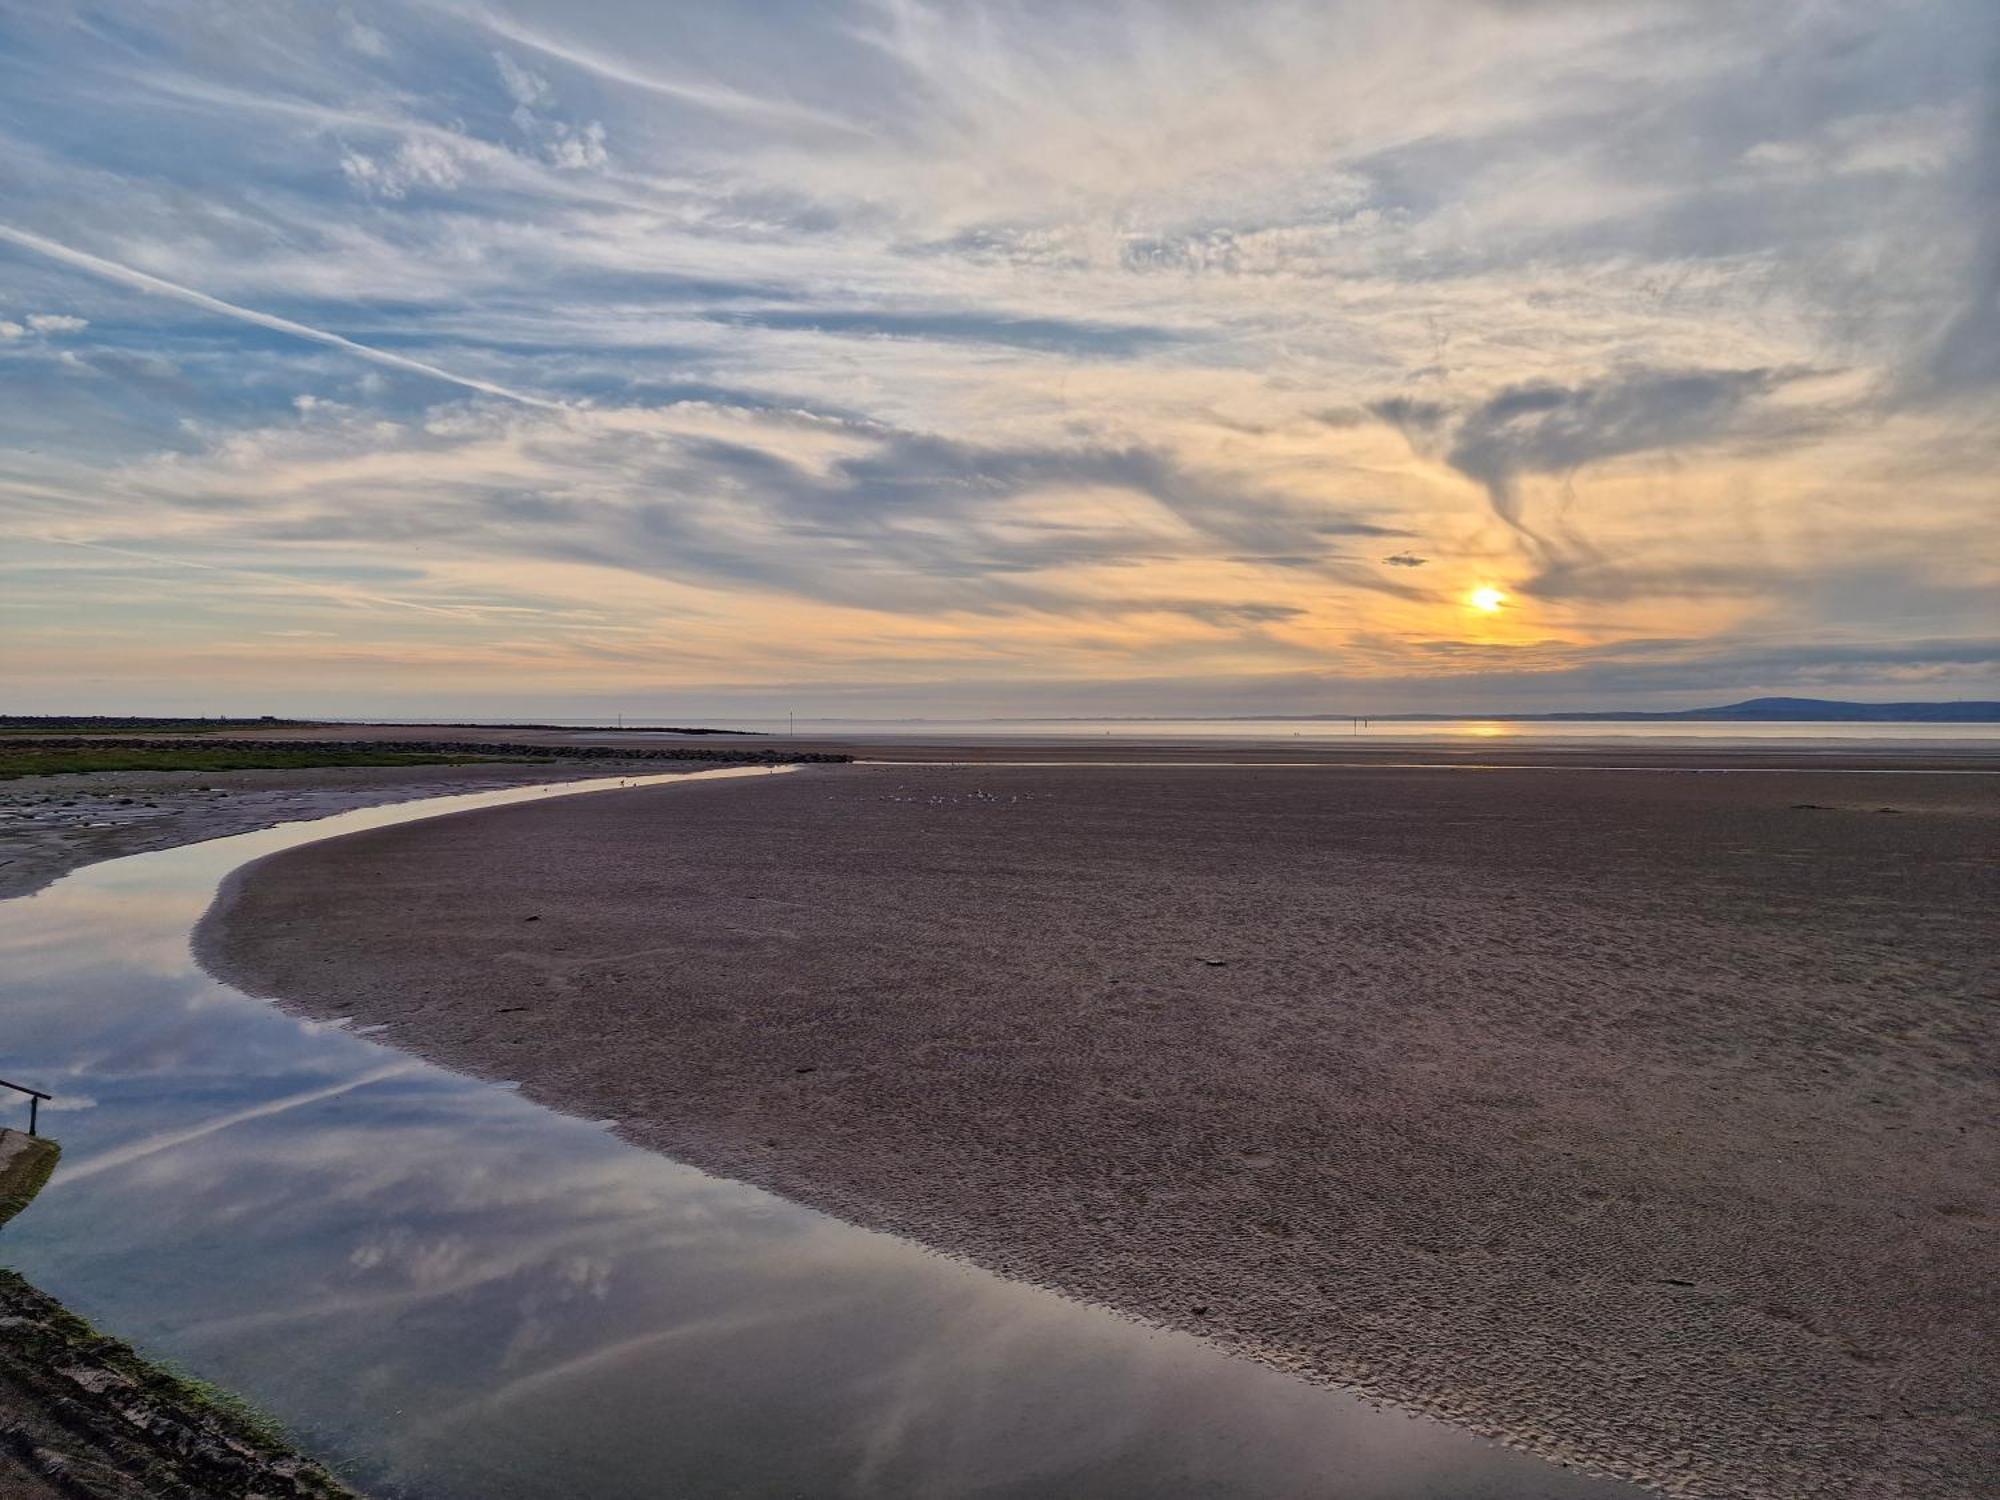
(1643, 1119)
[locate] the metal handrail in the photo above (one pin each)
(35, 1098)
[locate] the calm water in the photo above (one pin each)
(1846, 737)
(454, 1293)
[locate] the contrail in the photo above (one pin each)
(144, 281)
(151, 1145)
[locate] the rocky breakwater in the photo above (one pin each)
(84, 1417)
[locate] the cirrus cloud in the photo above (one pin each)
(952, 341)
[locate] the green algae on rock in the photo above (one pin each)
(84, 1415)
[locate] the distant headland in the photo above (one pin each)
(1767, 711)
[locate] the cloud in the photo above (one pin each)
(848, 513)
(1545, 428)
(857, 510)
(50, 325)
(415, 164)
(1967, 354)
(575, 147)
(565, 146)
(622, 70)
(981, 343)
(1077, 336)
(364, 39)
(527, 89)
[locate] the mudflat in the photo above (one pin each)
(1642, 1118)
(50, 825)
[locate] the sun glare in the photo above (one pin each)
(1487, 600)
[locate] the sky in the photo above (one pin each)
(888, 358)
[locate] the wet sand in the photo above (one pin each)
(1641, 1118)
(50, 825)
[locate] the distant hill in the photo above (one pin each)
(1749, 711)
(1812, 711)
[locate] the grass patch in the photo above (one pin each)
(34, 761)
(241, 1411)
(30, 724)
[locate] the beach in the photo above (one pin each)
(1638, 1117)
(50, 825)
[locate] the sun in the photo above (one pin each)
(1486, 600)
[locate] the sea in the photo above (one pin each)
(1385, 731)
